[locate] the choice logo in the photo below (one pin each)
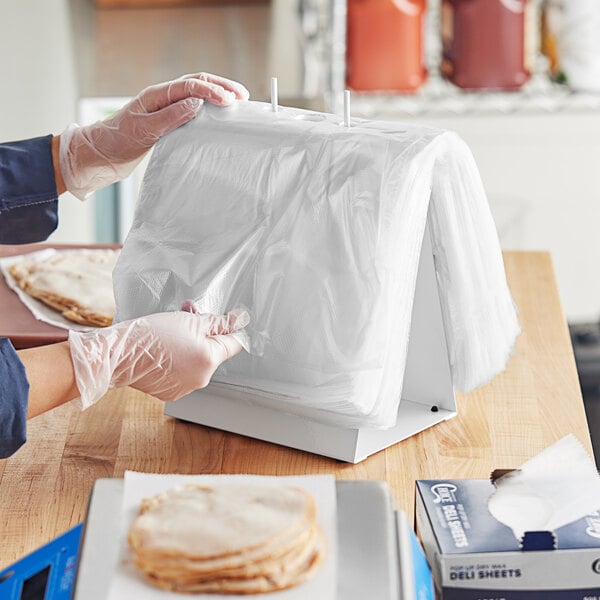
(443, 492)
(596, 566)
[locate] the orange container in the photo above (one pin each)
(384, 45)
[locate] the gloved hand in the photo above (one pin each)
(97, 155)
(167, 355)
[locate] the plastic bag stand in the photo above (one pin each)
(427, 393)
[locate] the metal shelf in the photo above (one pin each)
(438, 97)
(441, 98)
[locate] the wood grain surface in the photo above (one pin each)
(44, 487)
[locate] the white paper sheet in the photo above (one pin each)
(556, 487)
(128, 583)
(38, 309)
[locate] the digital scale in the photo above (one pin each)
(46, 574)
(379, 555)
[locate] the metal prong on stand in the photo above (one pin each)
(346, 108)
(274, 99)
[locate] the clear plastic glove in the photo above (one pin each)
(167, 355)
(97, 155)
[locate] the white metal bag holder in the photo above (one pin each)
(364, 252)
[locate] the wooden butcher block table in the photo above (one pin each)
(44, 487)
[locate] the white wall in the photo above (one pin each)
(39, 89)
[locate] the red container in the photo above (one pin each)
(484, 43)
(384, 45)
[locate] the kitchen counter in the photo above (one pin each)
(44, 488)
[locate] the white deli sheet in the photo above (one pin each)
(128, 582)
(316, 229)
(558, 486)
(41, 311)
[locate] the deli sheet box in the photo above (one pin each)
(475, 557)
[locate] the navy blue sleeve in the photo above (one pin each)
(28, 196)
(14, 393)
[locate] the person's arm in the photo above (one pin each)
(96, 155)
(51, 377)
(61, 188)
(185, 353)
(28, 194)
(33, 173)
(167, 355)
(14, 389)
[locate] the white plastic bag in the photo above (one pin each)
(316, 229)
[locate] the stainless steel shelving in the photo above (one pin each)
(441, 98)
(438, 97)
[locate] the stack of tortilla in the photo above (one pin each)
(228, 539)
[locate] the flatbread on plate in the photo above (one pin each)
(228, 539)
(78, 284)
